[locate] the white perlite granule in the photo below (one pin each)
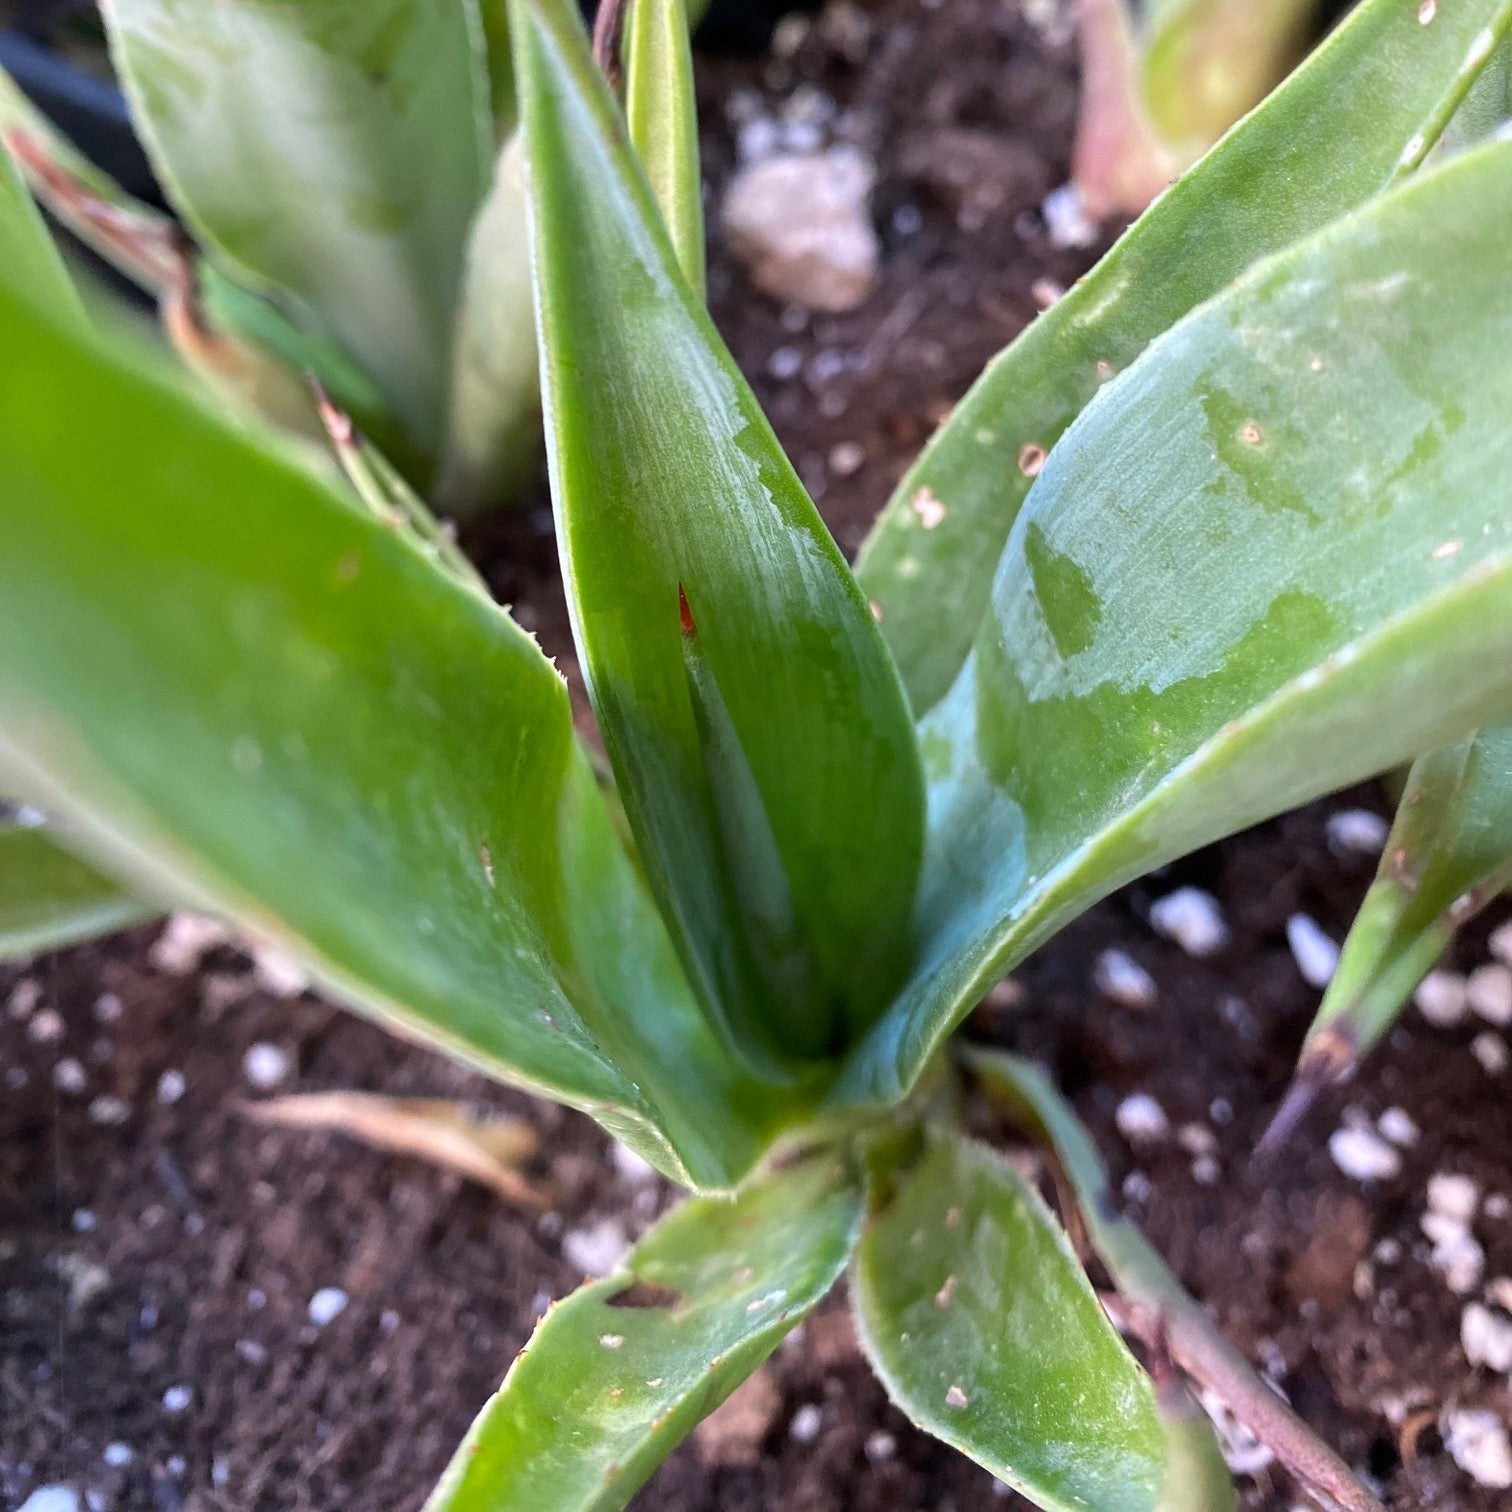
(1477, 1443)
(1193, 919)
(1363, 1155)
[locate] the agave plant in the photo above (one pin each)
(349, 176)
(1226, 529)
(1162, 80)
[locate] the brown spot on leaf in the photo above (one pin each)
(641, 1293)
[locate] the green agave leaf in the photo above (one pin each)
(494, 425)
(1143, 1279)
(685, 532)
(250, 695)
(27, 252)
(501, 86)
(1196, 1476)
(986, 1332)
(334, 150)
(618, 1374)
(662, 115)
(1291, 515)
(248, 350)
(1207, 62)
(1448, 855)
(1339, 129)
(48, 899)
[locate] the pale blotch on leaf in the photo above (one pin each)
(927, 507)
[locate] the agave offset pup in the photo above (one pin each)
(350, 176)
(1227, 528)
(1162, 80)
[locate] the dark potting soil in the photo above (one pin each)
(159, 1250)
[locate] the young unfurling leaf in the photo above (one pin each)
(670, 489)
(1448, 855)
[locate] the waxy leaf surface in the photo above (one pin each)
(238, 686)
(740, 681)
(987, 1334)
(1293, 514)
(616, 1375)
(1365, 105)
(334, 150)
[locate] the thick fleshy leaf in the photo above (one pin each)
(617, 1375)
(49, 899)
(493, 439)
(1272, 558)
(1175, 1323)
(28, 254)
(685, 532)
(501, 86)
(1448, 855)
(335, 150)
(253, 695)
(1118, 162)
(1207, 62)
(987, 1334)
(249, 351)
(662, 115)
(1371, 97)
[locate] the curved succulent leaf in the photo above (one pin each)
(255, 697)
(687, 538)
(500, 55)
(49, 899)
(1118, 162)
(987, 1334)
(334, 150)
(662, 115)
(1338, 130)
(1448, 855)
(28, 253)
(618, 1374)
(1175, 1322)
(1207, 62)
(1292, 512)
(244, 346)
(493, 436)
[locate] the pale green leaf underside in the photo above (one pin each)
(248, 694)
(48, 899)
(602, 1393)
(667, 480)
(1449, 853)
(1373, 95)
(988, 1335)
(335, 150)
(1293, 513)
